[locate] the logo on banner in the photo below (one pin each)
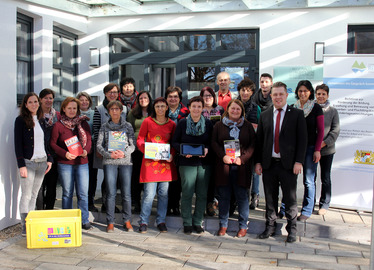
(358, 67)
(364, 157)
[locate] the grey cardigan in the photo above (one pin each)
(332, 130)
(102, 142)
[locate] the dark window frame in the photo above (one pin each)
(351, 41)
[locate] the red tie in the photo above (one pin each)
(276, 134)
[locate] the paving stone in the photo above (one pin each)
(55, 266)
(161, 267)
(349, 246)
(315, 265)
(342, 253)
(312, 258)
(267, 267)
(333, 216)
(221, 251)
(141, 259)
(184, 255)
(364, 267)
(58, 260)
(366, 217)
(356, 261)
(10, 262)
(366, 254)
(292, 249)
(216, 266)
(304, 244)
(351, 217)
(268, 255)
(176, 247)
(245, 246)
(247, 260)
(109, 264)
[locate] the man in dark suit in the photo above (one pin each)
(280, 151)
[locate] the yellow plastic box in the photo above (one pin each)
(54, 228)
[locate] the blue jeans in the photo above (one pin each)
(241, 195)
(124, 172)
(77, 175)
(255, 184)
(309, 173)
(150, 190)
(325, 163)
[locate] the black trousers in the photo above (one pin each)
(274, 177)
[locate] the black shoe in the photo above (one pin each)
(280, 215)
(93, 208)
(198, 229)
(254, 202)
(187, 229)
(269, 231)
(116, 210)
(143, 228)
(291, 238)
(103, 208)
(176, 211)
(87, 226)
(162, 227)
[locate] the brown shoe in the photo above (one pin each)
(127, 226)
(110, 228)
(322, 212)
(241, 233)
(222, 231)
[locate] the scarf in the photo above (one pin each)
(128, 101)
(110, 125)
(325, 106)
(308, 106)
(105, 103)
(234, 126)
(174, 115)
(49, 117)
(195, 129)
(71, 123)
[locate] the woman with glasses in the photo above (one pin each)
(156, 173)
(101, 115)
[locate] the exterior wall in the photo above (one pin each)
(286, 39)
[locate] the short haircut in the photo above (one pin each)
(84, 94)
(221, 73)
(247, 83)
(196, 99)
(158, 100)
(236, 101)
(115, 103)
(109, 87)
(280, 84)
(46, 91)
(67, 101)
(211, 91)
(127, 81)
(172, 89)
(266, 75)
(323, 87)
(308, 86)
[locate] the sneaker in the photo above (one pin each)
(322, 212)
(187, 229)
(110, 228)
(198, 229)
(87, 226)
(162, 227)
(143, 228)
(127, 226)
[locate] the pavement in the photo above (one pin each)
(339, 240)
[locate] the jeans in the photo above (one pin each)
(310, 169)
(195, 179)
(77, 175)
(124, 175)
(31, 184)
(241, 194)
(150, 190)
(325, 163)
(47, 194)
(255, 190)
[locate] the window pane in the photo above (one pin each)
(128, 44)
(364, 42)
(244, 41)
(56, 80)
(67, 83)
(200, 75)
(22, 39)
(56, 50)
(237, 71)
(164, 44)
(22, 77)
(67, 52)
(199, 42)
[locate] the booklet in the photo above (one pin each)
(215, 118)
(117, 140)
(157, 151)
(74, 146)
(232, 148)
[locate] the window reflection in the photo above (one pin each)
(200, 75)
(199, 42)
(164, 44)
(244, 41)
(128, 44)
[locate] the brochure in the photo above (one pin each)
(117, 140)
(232, 148)
(157, 151)
(74, 146)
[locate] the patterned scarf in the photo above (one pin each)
(195, 129)
(308, 106)
(71, 123)
(174, 115)
(49, 117)
(128, 101)
(234, 126)
(325, 106)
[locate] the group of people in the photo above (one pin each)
(235, 139)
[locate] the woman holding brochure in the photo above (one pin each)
(194, 168)
(115, 143)
(72, 161)
(233, 141)
(156, 174)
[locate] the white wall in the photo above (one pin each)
(286, 39)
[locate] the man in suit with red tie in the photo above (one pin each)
(280, 152)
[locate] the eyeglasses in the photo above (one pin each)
(207, 96)
(114, 109)
(113, 93)
(160, 107)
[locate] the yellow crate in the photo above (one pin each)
(54, 228)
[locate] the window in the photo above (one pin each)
(64, 62)
(361, 39)
(24, 56)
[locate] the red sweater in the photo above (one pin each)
(58, 136)
(156, 171)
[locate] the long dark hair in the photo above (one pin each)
(26, 114)
(308, 85)
(137, 110)
(158, 100)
